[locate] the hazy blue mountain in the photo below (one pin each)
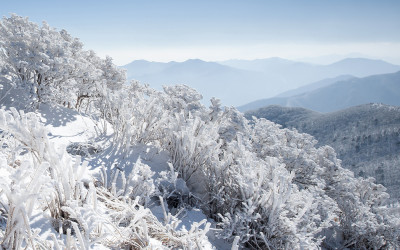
(366, 137)
(237, 82)
(270, 64)
(314, 85)
(304, 73)
(142, 67)
(361, 67)
(212, 79)
(383, 88)
(331, 58)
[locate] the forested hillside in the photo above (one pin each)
(88, 161)
(366, 138)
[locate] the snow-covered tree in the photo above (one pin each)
(51, 66)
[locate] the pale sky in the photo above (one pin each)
(213, 30)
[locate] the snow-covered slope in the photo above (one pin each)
(79, 135)
(118, 171)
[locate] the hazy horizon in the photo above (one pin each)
(315, 31)
(319, 60)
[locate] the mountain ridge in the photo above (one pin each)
(261, 78)
(315, 85)
(383, 88)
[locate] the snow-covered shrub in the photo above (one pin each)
(257, 201)
(139, 183)
(137, 115)
(193, 147)
(365, 219)
(183, 99)
(231, 123)
(21, 190)
(61, 176)
(296, 151)
(20, 184)
(67, 173)
(298, 154)
(174, 190)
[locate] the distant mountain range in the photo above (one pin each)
(338, 93)
(237, 82)
(366, 138)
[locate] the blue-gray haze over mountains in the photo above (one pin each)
(237, 82)
(325, 96)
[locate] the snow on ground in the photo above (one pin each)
(67, 127)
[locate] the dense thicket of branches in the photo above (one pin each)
(270, 186)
